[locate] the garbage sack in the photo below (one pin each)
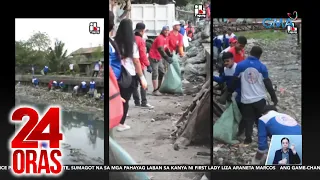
(223, 97)
(118, 156)
(226, 127)
(172, 80)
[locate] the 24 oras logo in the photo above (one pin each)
(30, 154)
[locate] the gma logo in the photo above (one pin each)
(274, 23)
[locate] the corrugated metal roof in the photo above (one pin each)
(86, 50)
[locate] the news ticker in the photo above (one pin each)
(181, 168)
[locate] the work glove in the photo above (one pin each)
(169, 60)
(149, 69)
(168, 53)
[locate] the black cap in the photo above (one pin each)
(140, 27)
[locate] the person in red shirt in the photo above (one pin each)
(156, 54)
(238, 49)
(208, 10)
(175, 39)
(190, 29)
(139, 34)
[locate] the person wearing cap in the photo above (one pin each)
(175, 39)
(182, 30)
(238, 49)
(232, 43)
(157, 54)
(139, 34)
(274, 123)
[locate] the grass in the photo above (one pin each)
(263, 34)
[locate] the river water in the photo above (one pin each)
(83, 137)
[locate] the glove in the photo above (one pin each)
(168, 53)
(149, 69)
(274, 100)
(169, 60)
(229, 96)
(143, 81)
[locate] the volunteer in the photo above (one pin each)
(254, 79)
(190, 30)
(227, 75)
(92, 87)
(274, 123)
(45, 70)
(144, 62)
(232, 43)
(156, 56)
(175, 39)
(238, 49)
(230, 34)
(129, 52)
(35, 82)
(96, 69)
(75, 90)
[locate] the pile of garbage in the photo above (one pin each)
(193, 65)
(43, 96)
(283, 60)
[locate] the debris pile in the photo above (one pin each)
(69, 103)
(193, 65)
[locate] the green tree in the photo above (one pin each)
(57, 55)
(97, 54)
(40, 41)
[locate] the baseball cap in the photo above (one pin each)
(175, 23)
(140, 26)
(165, 28)
(232, 40)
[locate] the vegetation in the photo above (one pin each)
(36, 51)
(264, 34)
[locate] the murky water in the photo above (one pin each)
(83, 137)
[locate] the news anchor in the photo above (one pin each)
(286, 155)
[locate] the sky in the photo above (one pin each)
(73, 32)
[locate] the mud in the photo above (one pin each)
(149, 142)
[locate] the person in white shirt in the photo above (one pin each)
(230, 34)
(71, 67)
(75, 91)
(129, 52)
(96, 69)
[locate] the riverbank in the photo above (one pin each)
(40, 95)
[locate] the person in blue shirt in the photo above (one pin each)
(35, 82)
(55, 85)
(274, 123)
(227, 74)
(114, 52)
(182, 29)
(92, 87)
(61, 84)
(83, 87)
(45, 70)
(254, 78)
